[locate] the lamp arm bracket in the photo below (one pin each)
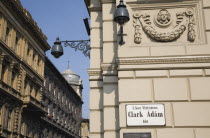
(82, 45)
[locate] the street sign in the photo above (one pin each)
(145, 115)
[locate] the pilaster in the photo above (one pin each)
(95, 73)
(110, 76)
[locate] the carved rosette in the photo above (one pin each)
(157, 29)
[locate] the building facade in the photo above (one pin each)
(22, 53)
(62, 103)
(164, 62)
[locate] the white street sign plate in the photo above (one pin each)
(145, 115)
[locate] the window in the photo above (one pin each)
(25, 86)
(53, 113)
(28, 55)
(36, 94)
(23, 126)
(8, 119)
(49, 86)
(13, 80)
(54, 92)
(31, 88)
(3, 71)
(44, 82)
(58, 116)
(33, 61)
(62, 99)
(72, 109)
(75, 110)
(16, 44)
(58, 95)
(39, 65)
(48, 110)
(7, 35)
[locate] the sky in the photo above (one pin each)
(64, 19)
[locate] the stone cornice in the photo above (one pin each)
(163, 60)
(23, 15)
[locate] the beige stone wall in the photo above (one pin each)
(176, 74)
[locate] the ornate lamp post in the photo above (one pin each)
(82, 45)
(121, 16)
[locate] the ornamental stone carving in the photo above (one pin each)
(161, 27)
(163, 18)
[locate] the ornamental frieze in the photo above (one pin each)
(161, 23)
(165, 25)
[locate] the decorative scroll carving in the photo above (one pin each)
(163, 20)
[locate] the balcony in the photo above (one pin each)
(9, 90)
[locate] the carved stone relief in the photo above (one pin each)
(161, 27)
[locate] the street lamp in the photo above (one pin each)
(82, 45)
(121, 16)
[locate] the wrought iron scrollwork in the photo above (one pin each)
(82, 45)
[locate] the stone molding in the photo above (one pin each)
(94, 72)
(95, 9)
(109, 67)
(108, 1)
(163, 60)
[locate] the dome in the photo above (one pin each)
(71, 77)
